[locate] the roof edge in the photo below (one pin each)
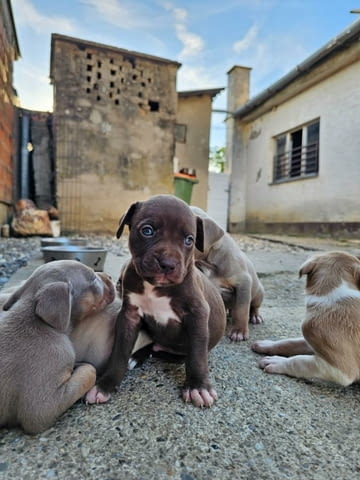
(351, 33)
(195, 93)
(89, 43)
(13, 26)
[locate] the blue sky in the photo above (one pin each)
(207, 36)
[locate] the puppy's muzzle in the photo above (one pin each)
(162, 269)
(166, 265)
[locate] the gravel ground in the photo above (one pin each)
(263, 427)
(16, 252)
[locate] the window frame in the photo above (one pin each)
(299, 162)
(180, 132)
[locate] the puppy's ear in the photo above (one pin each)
(357, 275)
(307, 267)
(53, 305)
(212, 233)
(126, 219)
(199, 241)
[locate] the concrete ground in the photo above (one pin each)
(263, 427)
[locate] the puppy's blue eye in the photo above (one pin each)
(189, 240)
(147, 231)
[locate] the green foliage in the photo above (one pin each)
(217, 159)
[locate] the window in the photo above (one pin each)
(180, 133)
(297, 153)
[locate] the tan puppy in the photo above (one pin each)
(38, 376)
(235, 276)
(93, 337)
(330, 348)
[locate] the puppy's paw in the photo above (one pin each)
(199, 397)
(96, 396)
(274, 364)
(263, 346)
(237, 335)
(256, 319)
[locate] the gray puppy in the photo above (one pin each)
(234, 274)
(39, 379)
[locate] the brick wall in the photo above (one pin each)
(6, 122)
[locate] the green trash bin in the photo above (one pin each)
(183, 186)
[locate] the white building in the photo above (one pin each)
(294, 149)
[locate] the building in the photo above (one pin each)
(114, 130)
(294, 149)
(9, 52)
(193, 136)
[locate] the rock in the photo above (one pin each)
(23, 204)
(31, 221)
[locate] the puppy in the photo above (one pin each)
(235, 276)
(39, 379)
(93, 338)
(163, 292)
(330, 347)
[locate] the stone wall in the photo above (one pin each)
(114, 127)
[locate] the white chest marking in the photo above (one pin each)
(342, 292)
(149, 303)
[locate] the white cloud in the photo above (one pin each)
(193, 78)
(33, 87)
(26, 14)
(247, 41)
(270, 57)
(193, 44)
(124, 15)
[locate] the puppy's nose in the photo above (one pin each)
(167, 265)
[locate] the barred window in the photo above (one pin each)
(180, 132)
(297, 153)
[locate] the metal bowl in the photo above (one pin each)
(93, 257)
(53, 241)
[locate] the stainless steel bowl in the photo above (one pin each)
(93, 257)
(53, 241)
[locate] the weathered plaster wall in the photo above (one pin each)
(238, 94)
(114, 124)
(330, 198)
(195, 113)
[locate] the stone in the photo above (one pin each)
(31, 221)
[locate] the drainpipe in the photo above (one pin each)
(24, 157)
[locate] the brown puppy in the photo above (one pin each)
(330, 348)
(38, 376)
(235, 276)
(162, 290)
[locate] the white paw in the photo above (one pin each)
(274, 364)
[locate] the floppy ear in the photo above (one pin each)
(199, 241)
(307, 267)
(357, 275)
(212, 232)
(53, 305)
(126, 219)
